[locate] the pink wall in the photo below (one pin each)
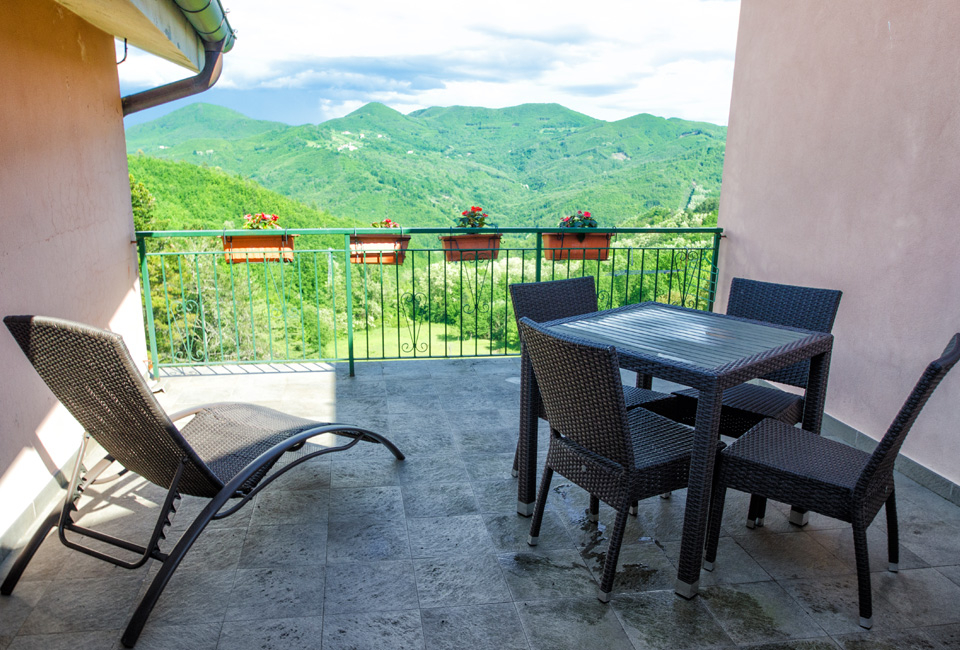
(66, 222)
(841, 171)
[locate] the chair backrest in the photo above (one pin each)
(543, 301)
(883, 457)
(92, 374)
(581, 390)
(785, 304)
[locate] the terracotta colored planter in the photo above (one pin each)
(568, 246)
(378, 249)
(258, 248)
(465, 248)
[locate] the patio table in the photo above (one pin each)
(706, 351)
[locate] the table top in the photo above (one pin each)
(694, 342)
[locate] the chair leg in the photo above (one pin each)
(515, 472)
(893, 535)
(713, 525)
(540, 506)
(593, 511)
(863, 573)
(635, 507)
(16, 571)
(149, 600)
(758, 508)
(613, 554)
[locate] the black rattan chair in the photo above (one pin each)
(617, 455)
(746, 405)
(795, 466)
(546, 301)
(227, 451)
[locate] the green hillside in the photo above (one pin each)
(526, 165)
(190, 197)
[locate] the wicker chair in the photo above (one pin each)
(546, 301)
(746, 405)
(801, 468)
(227, 451)
(618, 455)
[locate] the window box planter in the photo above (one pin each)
(466, 248)
(258, 248)
(576, 246)
(378, 249)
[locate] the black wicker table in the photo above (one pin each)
(706, 351)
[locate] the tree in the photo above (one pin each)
(143, 204)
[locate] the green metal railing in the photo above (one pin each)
(201, 309)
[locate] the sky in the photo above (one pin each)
(304, 61)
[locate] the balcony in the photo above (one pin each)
(359, 551)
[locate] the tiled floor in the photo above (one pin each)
(360, 551)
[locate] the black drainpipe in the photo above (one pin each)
(212, 65)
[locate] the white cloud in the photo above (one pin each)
(608, 58)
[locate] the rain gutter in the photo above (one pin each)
(209, 20)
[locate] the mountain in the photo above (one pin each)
(526, 165)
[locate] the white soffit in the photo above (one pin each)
(155, 26)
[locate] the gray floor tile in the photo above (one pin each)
(68, 641)
(276, 593)
(375, 503)
(733, 564)
(199, 636)
(551, 574)
(83, 605)
(496, 440)
(363, 540)
(370, 587)
(15, 608)
(759, 612)
(663, 620)
(285, 545)
(497, 497)
(273, 634)
(840, 542)
(489, 466)
(380, 630)
(937, 543)
(822, 643)
(900, 640)
(446, 468)
(479, 627)
(367, 472)
(834, 604)
(275, 507)
(190, 597)
(445, 536)
(572, 623)
(792, 556)
(952, 572)
(439, 499)
(946, 636)
(925, 595)
(457, 581)
(510, 532)
(640, 567)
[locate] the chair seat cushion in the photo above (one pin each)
(228, 436)
(794, 466)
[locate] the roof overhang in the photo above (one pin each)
(159, 27)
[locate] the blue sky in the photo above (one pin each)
(301, 61)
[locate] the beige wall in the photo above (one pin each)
(66, 222)
(843, 170)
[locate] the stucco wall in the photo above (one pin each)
(842, 171)
(66, 222)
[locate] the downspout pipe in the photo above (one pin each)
(209, 21)
(212, 66)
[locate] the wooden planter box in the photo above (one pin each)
(258, 248)
(568, 246)
(467, 248)
(378, 249)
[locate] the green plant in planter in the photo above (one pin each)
(475, 217)
(579, 220)
(260, 221)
